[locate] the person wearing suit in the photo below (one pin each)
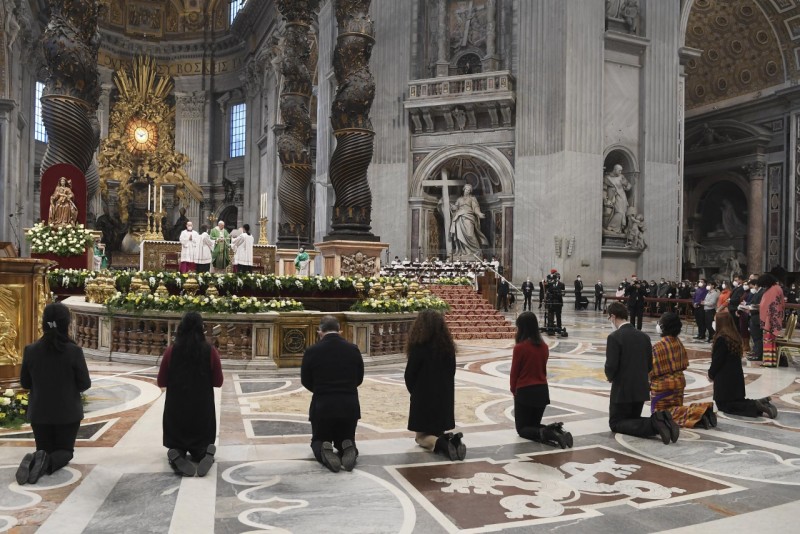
(629, 360)
(430, 379)
(332, 370)
(54, 370)
(598, 296)
(636, 292)
(527, 293)
(502, 294)
(578, 291)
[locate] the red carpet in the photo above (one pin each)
(470, 316)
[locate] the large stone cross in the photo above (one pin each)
(445, 184)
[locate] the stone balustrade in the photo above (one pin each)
(258, 340)
(467, 84)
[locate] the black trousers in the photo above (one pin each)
(578, 297)
(636, 314)
(502, 300)
(757, 335)
(526, 303)
(598, 302)
(709, 319)
(626, 418)
(528, 420)
(700, 321)
(554, 314)
(202, 267)
(335, 430)
(744, 407)
(58, 441)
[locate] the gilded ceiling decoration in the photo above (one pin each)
(741, 52)
(165, 19)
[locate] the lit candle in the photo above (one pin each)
(148, 197)
(161, 200)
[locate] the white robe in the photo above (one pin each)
(243, 250)
(204, 247)
(189, 240)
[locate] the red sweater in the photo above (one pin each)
(216, 368)
(528, 365)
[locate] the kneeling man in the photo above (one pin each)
(332, 370)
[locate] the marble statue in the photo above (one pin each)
(63, 211)
(465, 225)
(710, 137)
(302, 263)
(635, 229)
(692, 248)
(624, 10)
(733, 264)
(615, 201)
(730, 221)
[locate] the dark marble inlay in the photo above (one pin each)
(85, 432)
(260, 387)
(138, 503)
(268, 428)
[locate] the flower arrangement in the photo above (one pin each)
(13, 407)
(132, 302)
(456, 281)
(401, 305)
(61, 241)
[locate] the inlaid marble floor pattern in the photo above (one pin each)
(743, 475)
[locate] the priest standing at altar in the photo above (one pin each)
(220, 256)
(243, 251)
(189, 241)
(204, 247)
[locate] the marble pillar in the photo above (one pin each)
(190, 139)
(755, 222)
(442, 64)
(491, 62)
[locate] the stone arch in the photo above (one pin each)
(488, 155)
(229, 213)
(629, 161)
(700, 191)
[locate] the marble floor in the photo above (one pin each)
(743, 475)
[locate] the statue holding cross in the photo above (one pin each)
(461, 219)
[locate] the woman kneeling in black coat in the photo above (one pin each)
(430, 378)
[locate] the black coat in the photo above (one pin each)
(726, 372)
(430, 378)
(332, 370)
(629, 360)
(735, 299)
(527, 288)
(598, 290)
(55, 382)
(502, 288)
(636, 295)
(578, 286)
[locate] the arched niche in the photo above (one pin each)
(615, 230)
(490, 174)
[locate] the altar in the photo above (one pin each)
(166, 256)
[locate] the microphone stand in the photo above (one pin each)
(16, 234)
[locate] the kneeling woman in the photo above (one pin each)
(430, 378)
(667, 381)
(190, 370)
(529, 385)
(727, 375)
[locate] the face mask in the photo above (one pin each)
(735, 283)
(746, 287)
(700, 285)
(613, 324)
(753, 290)
(658, 329)
(714, 325)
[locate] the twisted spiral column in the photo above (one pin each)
(352, 210)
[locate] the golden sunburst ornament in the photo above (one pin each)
(142, 136)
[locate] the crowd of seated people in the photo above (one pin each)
(431, 270)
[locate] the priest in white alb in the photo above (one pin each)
(243, 251)
(189, 240)
(204, 247)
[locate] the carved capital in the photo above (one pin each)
(191, 105)
(756, 170)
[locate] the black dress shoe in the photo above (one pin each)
(712, 417)
(205, 463)
(661, 427)
(24, 469)
(703, 423)
(349, 455)
(461, 449)
(39, 466)
(330, 459)
(445, 446)
(180, 464)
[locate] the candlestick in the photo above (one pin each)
(148, 196)
(262, 233)
(161, 200)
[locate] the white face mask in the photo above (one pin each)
(746, 287)
(724, 286)
(753, 290)
(700, 285)
(658, 329)
(714, 325)
(735, 283)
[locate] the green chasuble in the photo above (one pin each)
(220, 256)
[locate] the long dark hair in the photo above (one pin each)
(55, 327)
(726, 329)
(191, 351)
(528, 328)
(430, 330)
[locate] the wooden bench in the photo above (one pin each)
(787, 345)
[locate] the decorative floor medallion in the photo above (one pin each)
(546, 487)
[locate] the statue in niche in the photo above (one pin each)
(692, 248)
(615, 201)
(730, 221)
(635, 229)
(733, 263)
(230, 190)
(63, 211)
(179, 226)
(465, 225)
(710, 137)
(626, 11)
(460, 117)
(468, 26)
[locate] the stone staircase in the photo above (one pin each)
(470, 316)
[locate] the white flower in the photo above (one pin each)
(5, 401)
(8, 393)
